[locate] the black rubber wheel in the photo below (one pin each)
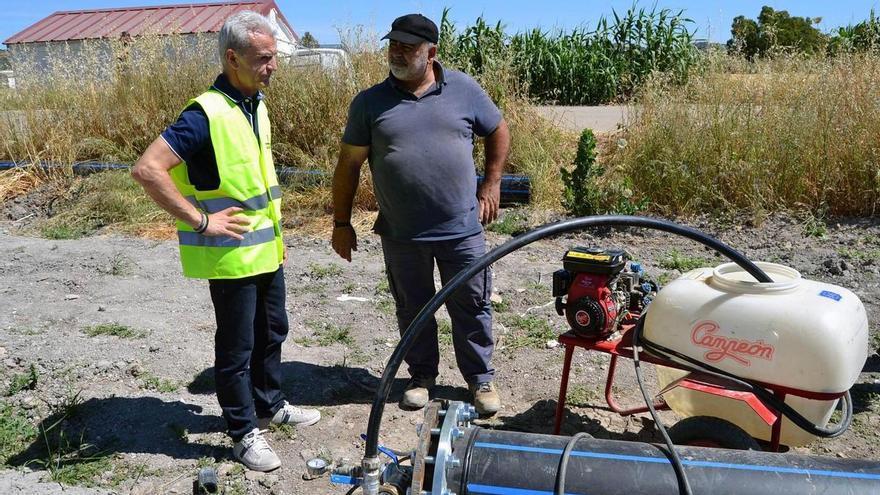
(708, 431)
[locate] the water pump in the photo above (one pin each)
(599, 287)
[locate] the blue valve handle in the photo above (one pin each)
(384, 450)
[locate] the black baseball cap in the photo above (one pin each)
(413, 29)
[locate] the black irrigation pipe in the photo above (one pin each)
(515, 189)
(418, 324)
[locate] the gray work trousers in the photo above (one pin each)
(410, 269)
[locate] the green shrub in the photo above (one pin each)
(580, 196)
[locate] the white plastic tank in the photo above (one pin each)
(793, 332)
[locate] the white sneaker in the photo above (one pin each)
(291, 415)
(254, 452)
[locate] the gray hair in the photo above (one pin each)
(236, 31)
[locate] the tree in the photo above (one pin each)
(308, 41)
(775, 29)
(745, 37)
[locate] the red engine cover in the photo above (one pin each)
(586, 287)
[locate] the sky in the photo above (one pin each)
(325, 19)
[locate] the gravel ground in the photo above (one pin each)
(147, 401)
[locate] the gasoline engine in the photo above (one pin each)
(599, 288)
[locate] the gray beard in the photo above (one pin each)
(408, 73)
(402, 73)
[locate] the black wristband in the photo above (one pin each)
(203, 224)
(337, 224)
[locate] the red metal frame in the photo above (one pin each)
(701, 382)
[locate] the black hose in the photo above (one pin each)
(756, 389)
(563, 462)
(683, 482)
(408, 338)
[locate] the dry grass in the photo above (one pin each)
(792, 132)
(18, 181)
(110, 109)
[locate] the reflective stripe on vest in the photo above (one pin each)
(250, 239)
(247, 181)
(214, 205)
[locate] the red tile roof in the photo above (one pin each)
(161, 19)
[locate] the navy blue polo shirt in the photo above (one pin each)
(190, 139)
(421, 154)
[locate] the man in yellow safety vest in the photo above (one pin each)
(213, 171)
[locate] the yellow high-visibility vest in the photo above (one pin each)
(248, 181)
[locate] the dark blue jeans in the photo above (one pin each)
(410, 270)
(251, 326)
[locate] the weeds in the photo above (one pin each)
(444, 331)
(327, 334)
(510, 223)
(333, 334)
(319, 272)
(528, 331)
(24, 381)
(16, 432)
(286, 430)
(791, 132)
(675, 260)
(69, 405)
(115, 330)
(69, 459)
(501, 306)
(580, 396)
(814, 226)
(861, 255)
(150, 381)
(382, 286)
(124, 471)
(386, 305)
(62, 232)
(109, 200)
(120, 265)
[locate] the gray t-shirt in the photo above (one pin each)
(421, 154)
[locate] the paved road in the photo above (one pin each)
(600, 119)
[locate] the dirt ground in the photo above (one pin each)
(147, 400)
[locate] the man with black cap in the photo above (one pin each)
(417, 129)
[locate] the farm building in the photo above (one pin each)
(105, 38)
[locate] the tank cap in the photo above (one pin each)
(733, 278)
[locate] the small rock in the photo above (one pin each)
(551, 344)
(269, 481)
(496, 298)
(2, 351)
(136, 370)
(71, 297)
(102, 309)
(103, 365)
(154, 348)
(253, 475)
(224, 469)
(28, 402)
(10, 363)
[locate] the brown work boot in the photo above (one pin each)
(416, 395)
(486, 398)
